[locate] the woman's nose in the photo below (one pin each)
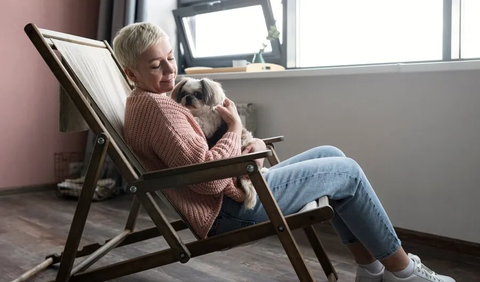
(168, 68)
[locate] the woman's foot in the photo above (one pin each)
(415, 272)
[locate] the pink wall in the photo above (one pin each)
(29, 92)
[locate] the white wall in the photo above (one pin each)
(416, 135)
(160, 13)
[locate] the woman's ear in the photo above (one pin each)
(130, 75)
(177, 88)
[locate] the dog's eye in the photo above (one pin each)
(197, 95)
(183, 94)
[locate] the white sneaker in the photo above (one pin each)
(420, 274)
(364, 275)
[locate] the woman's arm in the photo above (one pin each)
(178, 141)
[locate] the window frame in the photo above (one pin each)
(451, 43)
(188, 8)
(290, 30)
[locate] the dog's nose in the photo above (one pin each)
(188, 100)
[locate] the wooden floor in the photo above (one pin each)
(34, 225)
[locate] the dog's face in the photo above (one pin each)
(197, 94)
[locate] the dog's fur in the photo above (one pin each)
(201, 97)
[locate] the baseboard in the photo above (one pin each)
(27, 189)
(426, 239)
(440, 242)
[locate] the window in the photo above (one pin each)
(322, 33)
(215, 33)
(348, 32)
(207, 38)
(470, 29)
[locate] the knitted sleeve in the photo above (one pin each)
(178, 140)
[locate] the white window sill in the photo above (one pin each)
(350, 70)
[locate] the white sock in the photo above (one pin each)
(374, 267)
(407, 271)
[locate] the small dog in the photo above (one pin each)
(201, 97)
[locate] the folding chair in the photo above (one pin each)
(75, 53)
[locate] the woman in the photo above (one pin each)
(164, 134)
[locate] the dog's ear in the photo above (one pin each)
(177, 89)
(212, 92)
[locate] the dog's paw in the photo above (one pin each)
(250, 193)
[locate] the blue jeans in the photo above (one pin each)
(321, 171)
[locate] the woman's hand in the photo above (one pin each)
(256, 145)
(229, 114)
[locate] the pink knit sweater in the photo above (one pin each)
(163, 134)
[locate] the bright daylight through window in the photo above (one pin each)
(208, 37)
(342, 32)
(348, 32)
(470, 32)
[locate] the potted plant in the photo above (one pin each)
(273, 34)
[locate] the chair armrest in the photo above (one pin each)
(271, 140)
(206, 165)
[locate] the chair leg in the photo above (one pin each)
(332, 278)
(83, 207)
(132, 216)
(34, 271)
(320, 253)
(100, 252)
(273, 160)
(281, 227)
(164, 226)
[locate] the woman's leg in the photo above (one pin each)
(360, 253)
(360, 217)
(314, 153)
(351, 196)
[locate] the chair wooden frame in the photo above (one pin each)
(147, 188)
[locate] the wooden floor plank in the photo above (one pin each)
(33, 225)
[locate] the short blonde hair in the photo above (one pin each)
(132, 40)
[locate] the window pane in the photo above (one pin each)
(277, 10)
(229, 32)
(347, 32)
(470, 42)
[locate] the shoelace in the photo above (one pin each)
(420, 267)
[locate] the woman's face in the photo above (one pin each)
(156, 68)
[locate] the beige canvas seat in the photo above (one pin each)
(89, 73)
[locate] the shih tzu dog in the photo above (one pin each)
(201, 97)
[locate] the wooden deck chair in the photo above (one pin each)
(70, 58)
